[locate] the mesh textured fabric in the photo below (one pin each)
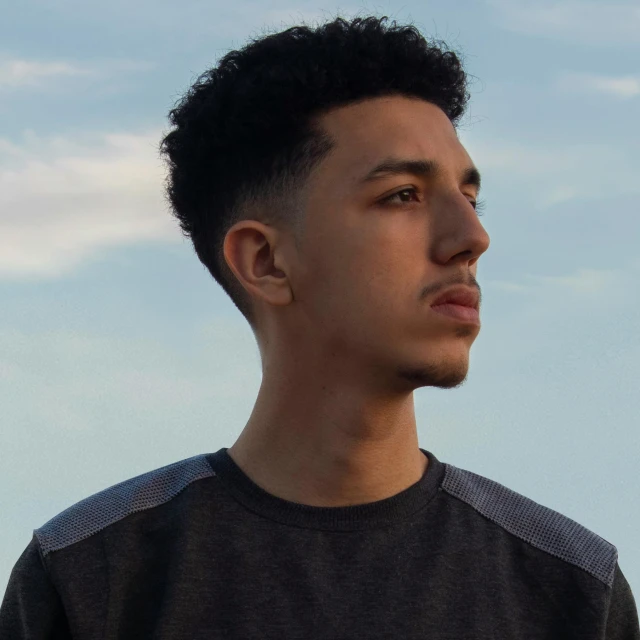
(540, 526)
(98, 511)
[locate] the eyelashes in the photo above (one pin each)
(478, 205)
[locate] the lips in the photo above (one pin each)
(463, 296)
(458, 313)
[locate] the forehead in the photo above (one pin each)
(369, 130)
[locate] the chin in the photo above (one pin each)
(448, 374)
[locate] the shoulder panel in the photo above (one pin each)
(534, 523)
(98, 511)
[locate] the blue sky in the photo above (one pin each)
(118, 352)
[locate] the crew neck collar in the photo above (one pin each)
(381, 513)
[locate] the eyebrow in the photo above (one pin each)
(421, 168)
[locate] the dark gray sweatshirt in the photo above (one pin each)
(196, 550)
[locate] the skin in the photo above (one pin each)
(346, 331)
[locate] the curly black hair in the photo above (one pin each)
(247, 132)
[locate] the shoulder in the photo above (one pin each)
(102, 509)
(534, 523)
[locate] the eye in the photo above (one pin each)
(397, 193)
(478, 205)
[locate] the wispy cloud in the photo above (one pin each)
(279, 18)
(593, 23)
(14, 73)
(21, 73)
(617, 86)
(583, 283)
(64, 200)
(56, 373)
(555, 174)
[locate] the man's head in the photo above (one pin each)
(268, 158)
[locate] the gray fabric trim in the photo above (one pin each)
(540, 526)
(98, 511)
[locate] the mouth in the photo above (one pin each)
(458, 312)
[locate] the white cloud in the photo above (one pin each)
(583, 283)
(14, 73)
(63, 201)
(588, 282)
(59, 379)
(559, 194)
(550, 175)
(577, 20)
(19, 73)
(619, 87)
(282, 18)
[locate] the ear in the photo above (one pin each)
(253, 252)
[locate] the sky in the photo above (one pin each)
(119, 354)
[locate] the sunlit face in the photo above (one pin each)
(369, 268)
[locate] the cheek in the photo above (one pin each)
(368, 276)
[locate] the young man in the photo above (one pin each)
(321, 180)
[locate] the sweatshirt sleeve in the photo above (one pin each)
(31, 608)
(622, 618)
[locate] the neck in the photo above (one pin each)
(323, 446)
